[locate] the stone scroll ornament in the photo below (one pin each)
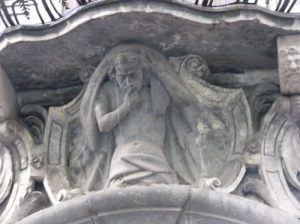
(289, 65)
(17, 174)
(14, 161)
(142, 120)
(280, 165)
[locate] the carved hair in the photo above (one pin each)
(143, 61)
(194, 67)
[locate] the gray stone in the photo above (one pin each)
(160, 204)
(289, 64)
(15, 154)
(238, 39)
(164, 109)
(158, 127)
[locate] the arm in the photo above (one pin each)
(108, 120)
(169, 78)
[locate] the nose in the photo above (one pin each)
(293, 66)
(128, 79)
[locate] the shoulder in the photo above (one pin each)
(106, 94)
(107, 88)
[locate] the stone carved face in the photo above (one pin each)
(290, 70)
(128, 70)
(292, 61)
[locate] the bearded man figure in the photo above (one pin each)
(128, 138)
(125, 108)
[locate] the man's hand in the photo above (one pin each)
(132, 98)
(108, 120)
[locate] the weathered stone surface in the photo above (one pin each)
(279, 152)
(167, 204)
(238, 39)
(143, 123)
(289, 64)
(16, 146)
(147, 110)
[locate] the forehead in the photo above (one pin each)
(126, 55)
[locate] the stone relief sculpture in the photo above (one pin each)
(8, 115)
(222, 142)
(279, 152)
(142, 120)
(16, 185)
(279, 147)
(12, 170)
(289, 66)
(106, 130)
(132, 109)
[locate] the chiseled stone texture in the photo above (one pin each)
(169, 115)
(160, 204)
(230, 39)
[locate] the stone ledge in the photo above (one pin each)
(170, 204)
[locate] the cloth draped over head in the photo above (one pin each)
(163, 81)
(150, 59)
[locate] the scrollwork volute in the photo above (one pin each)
(280, 159)
(6, 173)
(291, 143)
(8, 114)
(15, 155)
(280, 133)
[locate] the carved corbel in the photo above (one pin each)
(16, 176)
(280, 165)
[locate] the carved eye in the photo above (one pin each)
(120, 60)
(132, 59)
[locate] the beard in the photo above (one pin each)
(290, 82)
